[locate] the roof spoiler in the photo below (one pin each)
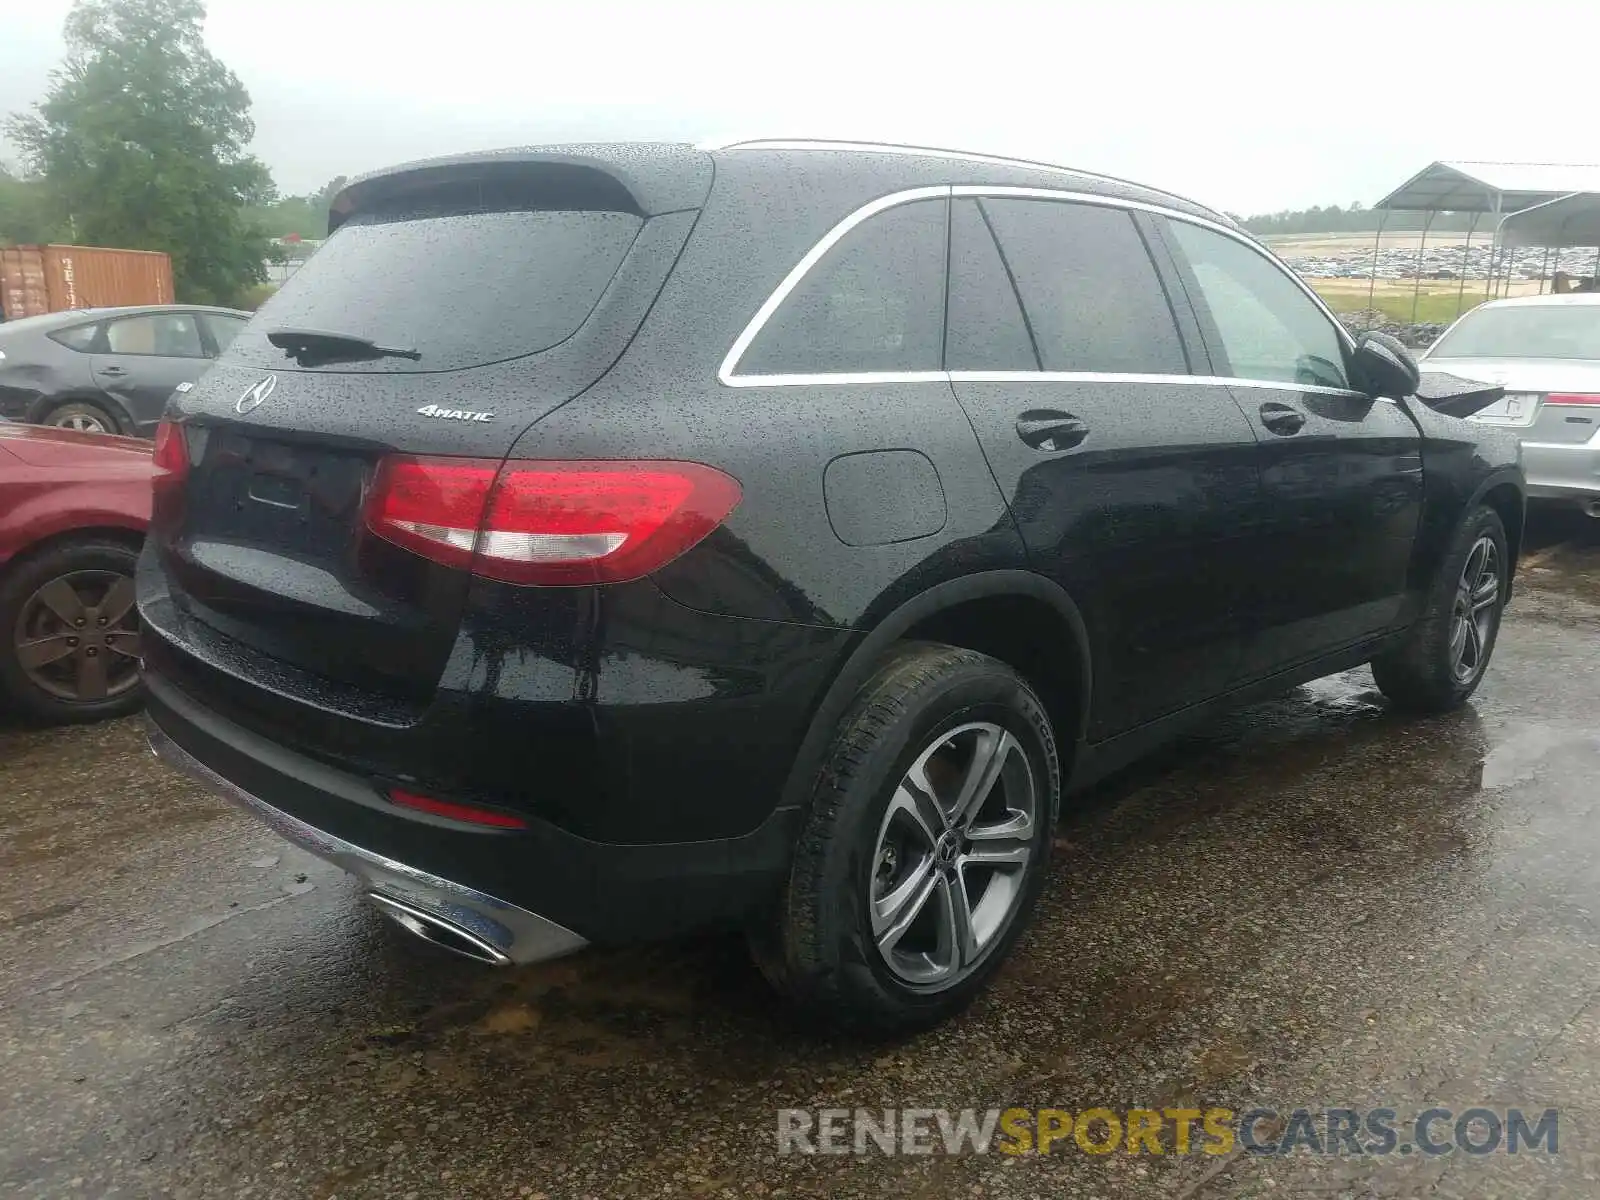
(646, 178)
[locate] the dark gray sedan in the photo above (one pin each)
(108, 370)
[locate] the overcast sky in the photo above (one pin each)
(1250, 107)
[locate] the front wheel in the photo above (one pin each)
(925, 845)
(1446, 652)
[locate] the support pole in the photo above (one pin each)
(1466, 248)
(1494, 248)
(1416, 282)
(1372, 275)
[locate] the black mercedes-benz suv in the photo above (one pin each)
(594, 543)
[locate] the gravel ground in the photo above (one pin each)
(1313, 903)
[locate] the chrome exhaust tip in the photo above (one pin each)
(431, 927)
(1591, 508)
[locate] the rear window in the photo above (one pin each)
(79, 337)
(460, 288)
(1534, 331)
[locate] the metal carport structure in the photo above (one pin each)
(1494, 189)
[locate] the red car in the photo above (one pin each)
(73, 512)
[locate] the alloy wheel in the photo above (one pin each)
(82, 422)
(952, 855)
(77, 637)
(1476, 609)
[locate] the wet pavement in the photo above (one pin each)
(1313, 903)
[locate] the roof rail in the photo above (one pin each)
(935, 152)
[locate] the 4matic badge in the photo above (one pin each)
(454, 414)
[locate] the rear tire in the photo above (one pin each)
(38, 628)
(924, 848)
(1447, 651)
(83, 415)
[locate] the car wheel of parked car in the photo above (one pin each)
(925, 846)
(69, 632)
(1447, 651)
(84, 416)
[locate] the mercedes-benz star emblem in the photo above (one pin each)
(255, 396)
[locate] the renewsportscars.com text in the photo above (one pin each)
(1216, 1131)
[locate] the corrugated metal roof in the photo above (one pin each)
(1570, 221)
(1490, 186)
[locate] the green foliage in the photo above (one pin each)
(26, 214)
(141, 142)
(1354, 219)
(303, 215)
(254, 297)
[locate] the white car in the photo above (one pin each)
(1545, 352)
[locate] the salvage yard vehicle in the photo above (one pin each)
(1545, 352)
(768, 536)
(108, 370)
(73, 511)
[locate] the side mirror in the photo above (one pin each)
(1384, 367)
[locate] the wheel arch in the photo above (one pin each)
(113, 407)
(128, 535)
(1000, 613)
(1503, 492)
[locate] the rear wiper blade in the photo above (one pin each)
(321, 345)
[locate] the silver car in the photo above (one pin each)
(1545, 351)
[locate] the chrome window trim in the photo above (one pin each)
(726, 372)
(798, 272)
(1138, 377)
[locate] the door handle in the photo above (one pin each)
(1282, 419)
(112, 371)
(1049, 430)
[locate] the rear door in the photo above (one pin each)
(1133, 484)
(1341, 472)
(140, 360)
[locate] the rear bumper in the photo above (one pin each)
(504, 932)
(525, 894)
(1562, 472)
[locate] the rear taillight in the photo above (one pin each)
(548, 522)
(171, 456)
(1576, 399)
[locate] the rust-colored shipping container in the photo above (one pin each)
(42, 279)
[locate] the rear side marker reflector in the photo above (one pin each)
(548, 523)
(471, 814)
(1574, 399)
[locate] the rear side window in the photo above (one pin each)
(873, 302)
(223, 329)
(462, 289)
(79, 337)
(1093, 298)
(1269, 328)
(165, 335)
(986, 329)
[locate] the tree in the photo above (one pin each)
(25, 211)
(324, 198)
(141, 141)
